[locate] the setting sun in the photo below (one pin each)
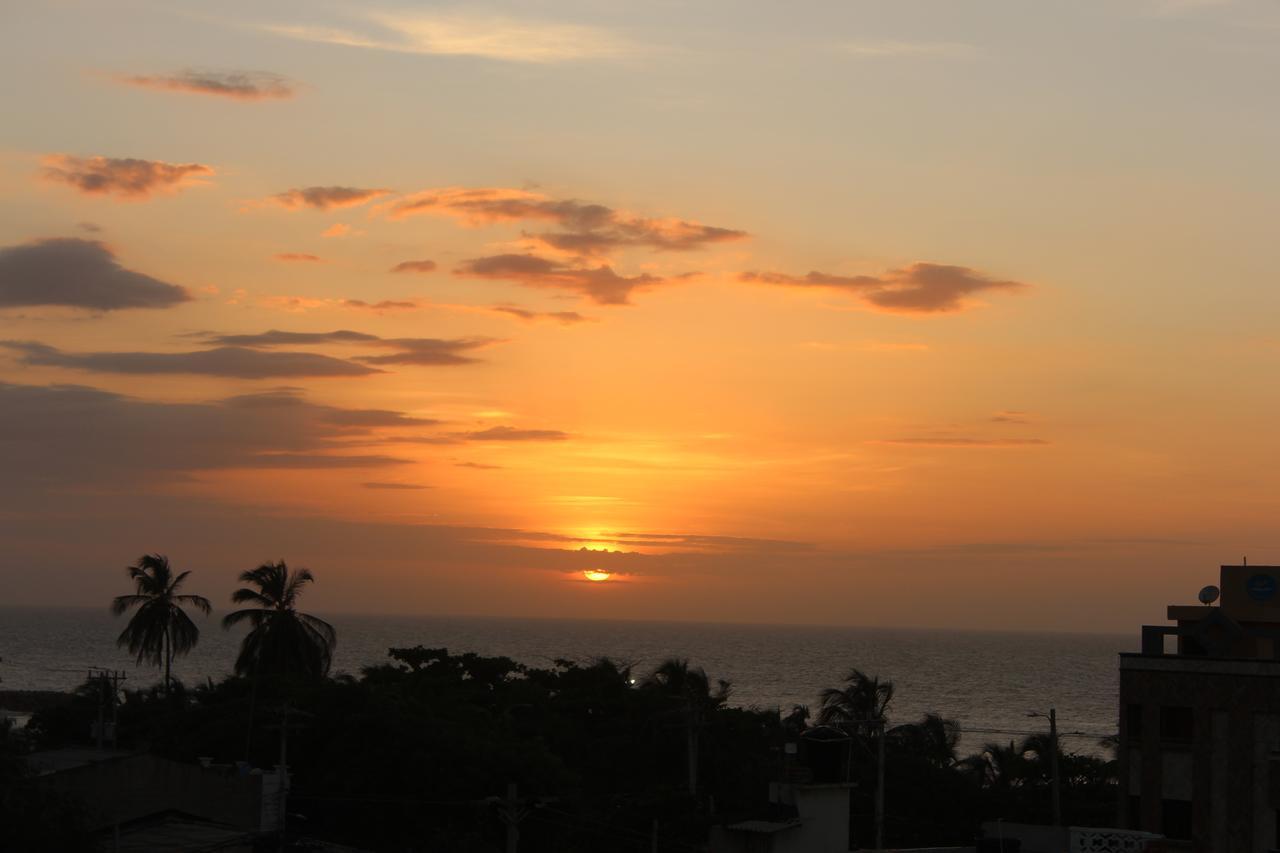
(596, 575)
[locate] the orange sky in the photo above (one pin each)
(864, 315)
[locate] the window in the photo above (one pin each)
(1177, 723)
(1133, 722)
(1175, 822)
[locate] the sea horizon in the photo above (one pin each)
(988, 680)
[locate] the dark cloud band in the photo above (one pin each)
(79, 274)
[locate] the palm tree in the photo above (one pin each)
(281, 639)
(160, 630)
(934, 738)
(863, 699)
(999, 767)
(690, 688)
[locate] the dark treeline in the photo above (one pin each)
(411, 754)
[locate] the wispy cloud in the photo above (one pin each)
(587, 229)
(921, 288)
(295, 257)
(564, 318)
(466, 33)
(79, 274)
(381, 305)
(395, 486)
(142, 442)
(600, 284)
(325, 198)
(128, 178)
(415, 266)
(508, 433)
(962, 442)
(406, 351)
(236, 85)
(234, 362)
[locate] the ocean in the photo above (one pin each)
(989, 681)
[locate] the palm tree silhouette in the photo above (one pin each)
(281, 640)
(934, 738)
(160, 630)
(998, 767)
(863, 699)
(690, 688)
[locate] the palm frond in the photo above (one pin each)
(199, 602)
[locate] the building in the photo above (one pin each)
(812, 818)
(137, 801)
(808, 808)
(1199, 747)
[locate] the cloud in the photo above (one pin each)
(76, 273)
(478, 465)
(414, 266)
(963, 442)
(326, 198)
(409, 351)
(589, 230)
(276, 337)
(428, 351)
(89, 227)
(72, 435)
(1011, 416)
(384, 305)
(337, 229)
(293, 257)
(394, 486)
(506, 433)
(237, 85)
(464, 33)
(601, 284)
(320, 460)
(565, 318)
(236, 362)
(128, 178)
(921, 288)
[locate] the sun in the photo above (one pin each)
(596, 575)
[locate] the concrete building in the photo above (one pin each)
(1200, 720)
(817, 822)
(137, 801)
(808, 808)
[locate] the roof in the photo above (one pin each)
(58, 760)
(180, 834)
(762, 826)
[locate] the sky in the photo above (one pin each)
(945, 313)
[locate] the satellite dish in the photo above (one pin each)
(1209, 595)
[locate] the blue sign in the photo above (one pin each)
(1261, 587)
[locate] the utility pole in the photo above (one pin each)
(102, 702)
(653, 837)
(282, 769)
(512, 812)
(1053, 766)
(1055, 778)
(880, 787)
(108, 692)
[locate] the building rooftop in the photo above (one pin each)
(58, 760)
(1238, 619)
